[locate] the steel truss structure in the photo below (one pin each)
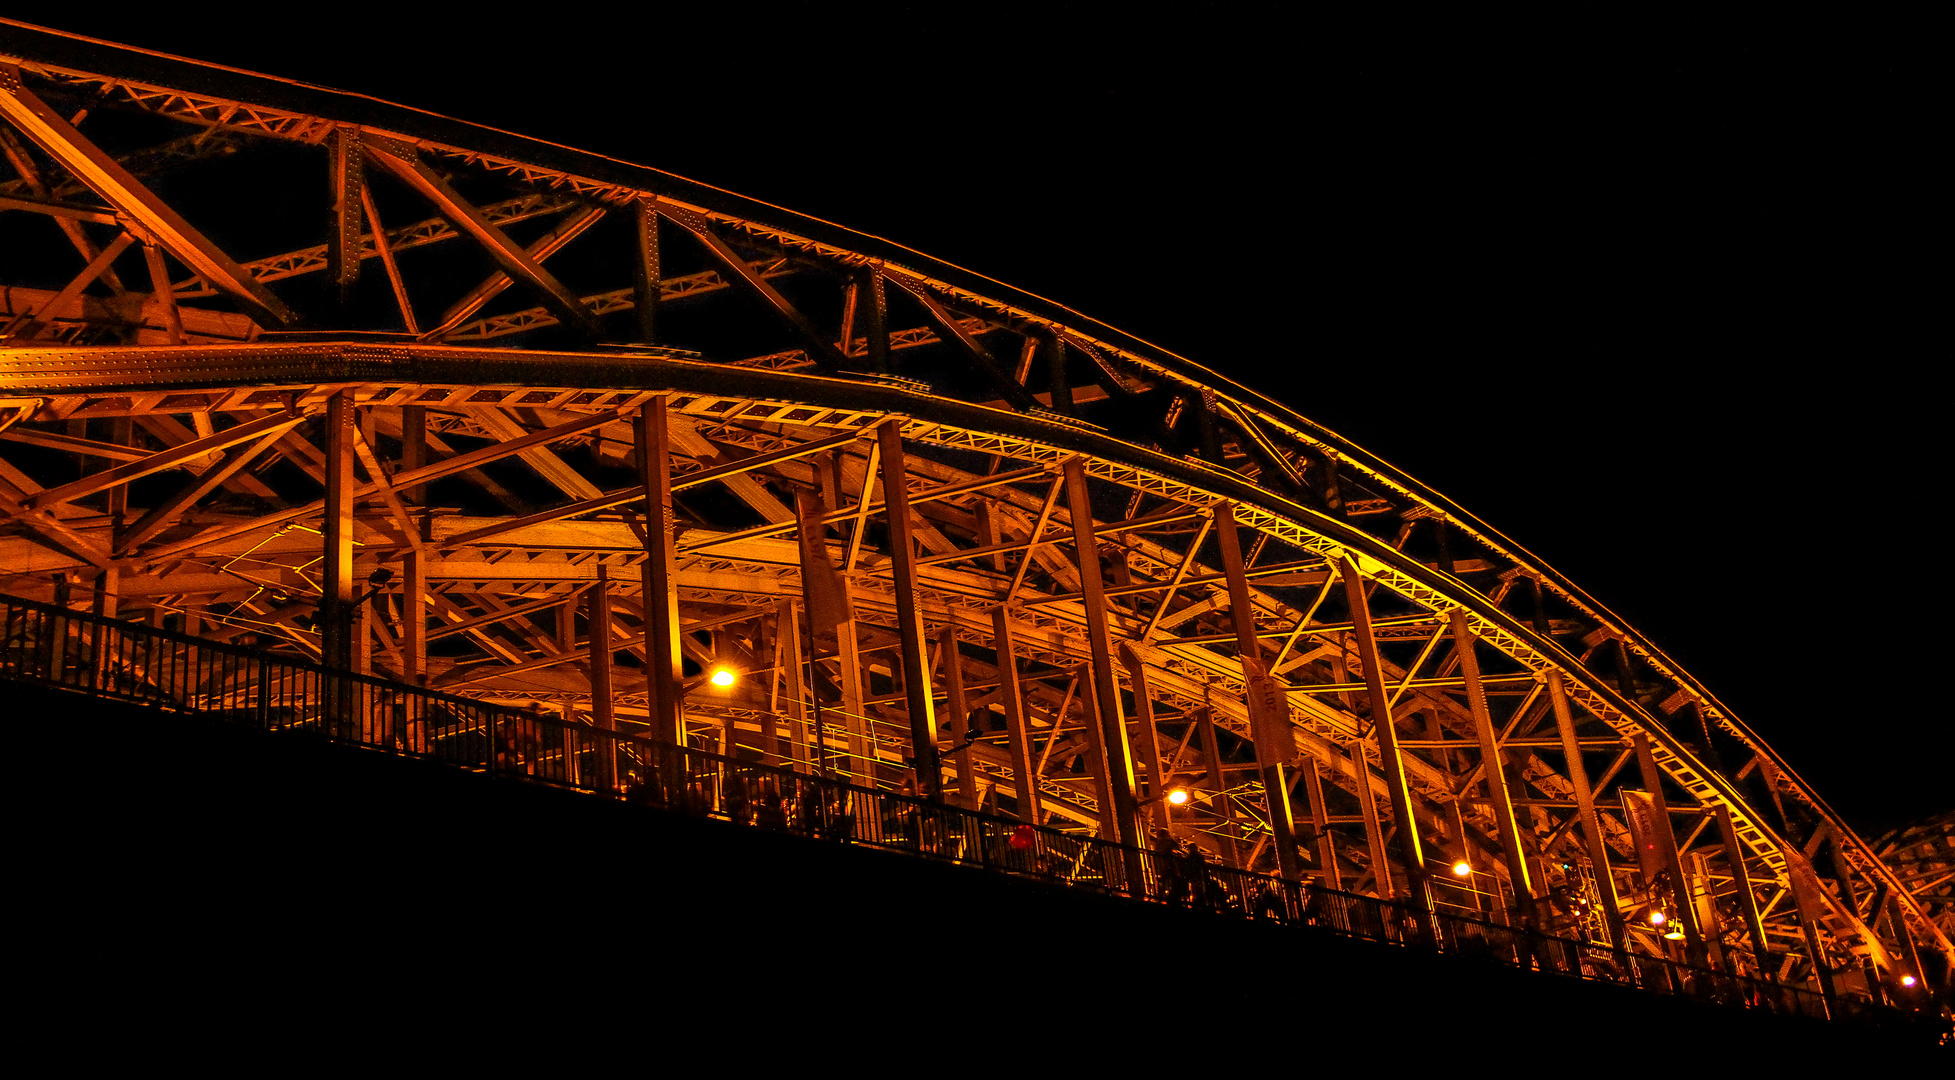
(531, 425)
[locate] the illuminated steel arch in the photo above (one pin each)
(551, 392)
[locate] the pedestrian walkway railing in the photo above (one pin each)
(107, 658)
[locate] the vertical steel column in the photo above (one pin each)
(787, 628)
(336, 594)
(1666, 839)
(1118, 761)
(645, 269)
(1734, 853)
(1374, 829)
(1157, 777)
(57, 630)
(1313, 791)
(337, 565)
(875, 310)
(663, 672)
(603, 702)
(414, 591)
(1598, 848)
(1389, 761)
(1269, 716)
(960, 718)
(1492, 769)
(855, 712)
(1120, 827)
(917, 697)
(343, 251)
(769, 721)
(1018, 729)
(366, 609)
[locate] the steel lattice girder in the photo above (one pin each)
(116, 394)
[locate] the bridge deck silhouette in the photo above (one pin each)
(88, 655)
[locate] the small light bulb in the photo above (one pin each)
(723, 677)
(1462, 868)
(1178, 797)
(1907, 980)
(1656, 918)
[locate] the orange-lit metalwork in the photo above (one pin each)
(605, 425)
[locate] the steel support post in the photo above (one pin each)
(603, 702)
(960, 717)
(1018, 730)
(1313, 792)
(875, 311)
(414, 590)
(343, 250)
(1389, 761)
(663, 692)
(1681, 908)
(855, 712)
(58, 630)
(1597, 846)
(787, 629)
(1269, 715)
(1150, 736)
(1493, 771)
(645, 269)
(1374, 829)
(1124, 828)
(336, 568)
(917, 695)
(1118, 761)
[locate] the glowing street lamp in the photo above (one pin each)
(723, 677)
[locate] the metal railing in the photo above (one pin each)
(106, 658)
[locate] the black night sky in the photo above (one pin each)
(1655, 309)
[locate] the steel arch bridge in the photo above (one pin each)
(445, 405)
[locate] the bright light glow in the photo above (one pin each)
(1178, 796)
(723, 677)
(1907, 980)
(1673, 934)
(1656, 918)
(1462, 868)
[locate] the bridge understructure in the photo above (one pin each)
(393, 394)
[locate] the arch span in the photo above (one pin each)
(507, 398)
